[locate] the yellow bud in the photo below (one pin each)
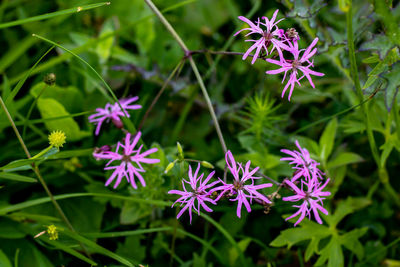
(207, 164)
(57, 139)
(169, 167)
(180, 150)
(52, 232)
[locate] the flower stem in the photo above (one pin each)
(37, 172)
(383, 175)
(195, 70)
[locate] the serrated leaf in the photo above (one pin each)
(303, 10)
(327, 139)
(392, 78)
(380, 43)
(50, 108)
(344, 159)
(372, 59)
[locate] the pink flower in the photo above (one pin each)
(130, 161)
(270, 35)
(304, 165)
(295, 65)
(312, 199)
(113, 112)
(243, 191)
(198, 192)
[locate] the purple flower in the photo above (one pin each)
(268, 36)
(295, 65)
(113, 112)
(198, 192)
(312, 199)
(130, 160)
(244, 192)
(304, 165)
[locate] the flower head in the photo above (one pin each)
(198, 192)
(129, 161)
(113, 112)
(304, 165)
(243, 184)
(298, 63)
(311, 197)
(270, 35)
(57, 138)
(52, 232)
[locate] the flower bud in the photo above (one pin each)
(169, 167)
(118, 123)
(180, 150)
(52, 232)
(57, 139)
(50, 79)
(207, 164)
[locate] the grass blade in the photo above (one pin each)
(97, 248)
(17, 177)
(51, 15)
(43, 200)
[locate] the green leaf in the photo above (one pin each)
(332, 253)
(345, 207)
(4, 261)
(344, 158)
(52, 108)
(70, 97)
(351, 242)
(392, 78)
(10, 229)
(327, 139)
(308, 229)
(104, 47)
(233, 253)
(17, 177)
(380, 43)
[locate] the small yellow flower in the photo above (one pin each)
(52, 231)
(57, 139)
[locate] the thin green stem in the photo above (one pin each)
(195, 70)
(383, 175)
(28, 115)
(37, 172)
(178, 66)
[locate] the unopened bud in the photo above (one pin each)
(292, 34)
(180, 150)
(50, 79)
(169, 167)
(118, 123)
(207, 164)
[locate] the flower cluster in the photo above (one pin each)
(113, 112)
(311, 184)
(242, 189)
(129, 159)
(267, 38)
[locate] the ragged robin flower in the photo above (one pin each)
(263, 37)
(302, 64)
(113, 112)
(243, 186)
(197, 195)
(129, 161)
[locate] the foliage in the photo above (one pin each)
(83, 56)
